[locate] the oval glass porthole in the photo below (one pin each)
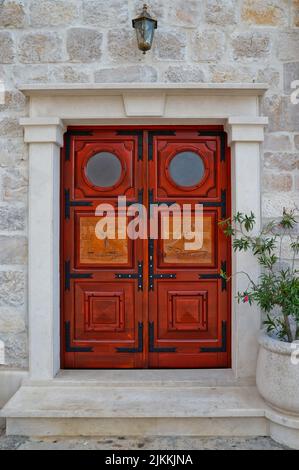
(103, 169)
(186, 169)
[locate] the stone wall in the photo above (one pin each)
(92, 41)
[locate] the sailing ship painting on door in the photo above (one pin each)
(144, 302)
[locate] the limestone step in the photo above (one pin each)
(115, 403)
(80, 409)
(149, 378)
(131, 402)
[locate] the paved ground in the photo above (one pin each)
(148, 443)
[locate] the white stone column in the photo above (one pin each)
(244, 137)
(45, 137)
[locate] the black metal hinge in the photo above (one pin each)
(139, 348)
(68, 275)
(68, 346)
(138, 275)
(68, 203)
(139, 134)
(222, 141)
(223, 346)
(217, 276)
(68, 137)
(151, 342)
(151, 135)
(151, 274)
(221, 203)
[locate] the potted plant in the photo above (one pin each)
(276, 291)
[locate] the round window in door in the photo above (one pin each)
(186, 169)
(104, 170)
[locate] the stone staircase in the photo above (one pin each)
(146, 403)
(93, 403)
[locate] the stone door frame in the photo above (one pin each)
(53, 107)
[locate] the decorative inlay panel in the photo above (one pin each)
(187, 310)
(104, 311)
(174, 251)
(96, 251)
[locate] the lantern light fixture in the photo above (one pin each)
(144, 26)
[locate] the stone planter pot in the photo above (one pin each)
(277, 377)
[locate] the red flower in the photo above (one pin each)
(245, 298)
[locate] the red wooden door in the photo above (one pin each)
(188, 300)
(145, 302)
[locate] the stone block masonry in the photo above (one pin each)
(88, 41)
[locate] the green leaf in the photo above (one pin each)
(267, 261)
(241, 244)
(288, 220)
(295, 247)
(249, 221)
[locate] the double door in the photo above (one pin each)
(147, 300)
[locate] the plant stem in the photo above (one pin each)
(247, 275)
(294, 257)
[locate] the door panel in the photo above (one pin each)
(108, 312)
(144, 303)
(168, 181)
(188, 302)
(102, 301)
(188, 306)
(172, 251)
(124, 184)
(93, 251)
